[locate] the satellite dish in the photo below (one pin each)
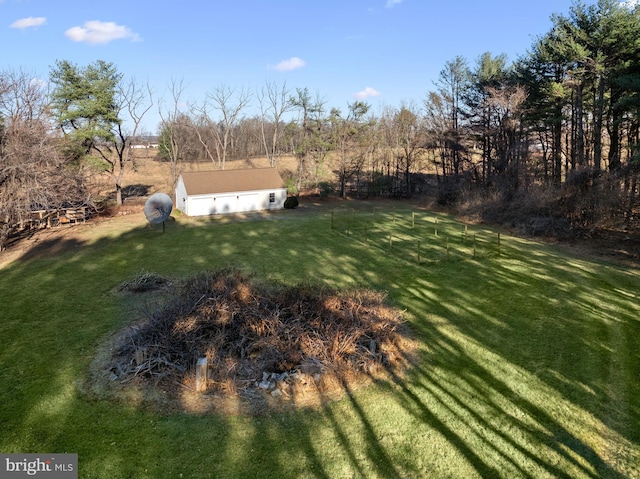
(158, 208)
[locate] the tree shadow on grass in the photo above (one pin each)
(51, 248)
(479, 392)
(529, 444)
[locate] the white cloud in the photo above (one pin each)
(96, 32)
(28, 22)
(630, 4)
(38, 86)
(392, 3)
(292, 63)
(38, 83)
(366, 93)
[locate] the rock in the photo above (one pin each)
(265, 384)
(279, 377)
(276, 393)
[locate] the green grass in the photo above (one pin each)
(530, 365)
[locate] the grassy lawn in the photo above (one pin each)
(530, 359)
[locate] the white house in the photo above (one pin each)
(201, 193)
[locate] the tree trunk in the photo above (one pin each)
(579, 147)
(119, 195)
(557, 148)
(632, 196)
(598, 116)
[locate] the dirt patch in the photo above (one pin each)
(267, 346)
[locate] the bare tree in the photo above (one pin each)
(206, 132)
(438, 127)
(348, 134)
(410, 141)
(248, 138)
(229, 104)
(274, 103)
(447, 127)
(311, 142)
(505, 131)
(33, 175)
(172, 128)
(134, 102)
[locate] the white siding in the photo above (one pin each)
(249, 202)
(279, 198)
(199, 206)
(181, 196)
(224, 204)
(238, 202)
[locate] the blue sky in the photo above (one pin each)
(382, 51)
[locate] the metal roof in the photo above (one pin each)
(231, 181)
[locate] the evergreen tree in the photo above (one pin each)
(83, 101)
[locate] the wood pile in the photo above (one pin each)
(248, 331)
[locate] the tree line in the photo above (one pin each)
(565, 111)
(563, 119)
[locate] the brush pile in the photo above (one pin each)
(254, 335)
(143, 282)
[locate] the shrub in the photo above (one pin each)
(291, 202)
(290, 183)
(326, 188)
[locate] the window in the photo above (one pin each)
(272, 197)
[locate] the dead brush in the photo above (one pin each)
(246, 329)
(143, 282)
